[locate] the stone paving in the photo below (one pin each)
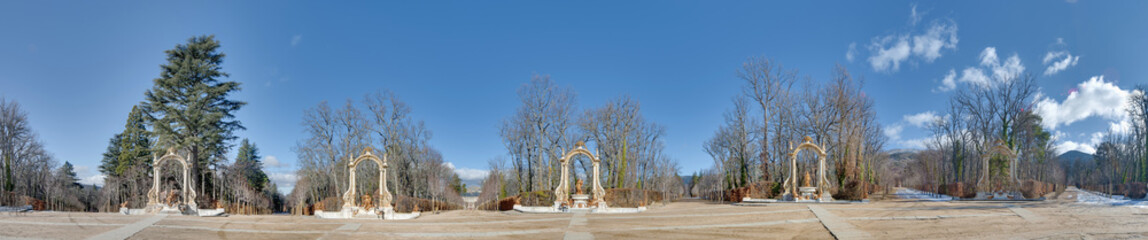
(679, 220)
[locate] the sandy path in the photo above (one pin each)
(1061, 218)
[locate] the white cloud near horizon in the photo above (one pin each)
(1094, 97)
(273, 162)
(922, 119)
(894, 132)
(284, 181)
(919, 120)
(888, 52)
(1089, 147)
(468, 173)
(97, 180)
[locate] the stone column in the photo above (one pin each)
(153, 195)
(384, 193)
(349, 196)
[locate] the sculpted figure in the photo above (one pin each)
(805, 182)
(368, 202)
(579, 186)
(172, 197)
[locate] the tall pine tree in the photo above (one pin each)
(189, 109)
(67, 175)
(248, 161)
(127, 162)
(131, 148)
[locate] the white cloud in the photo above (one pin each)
(891, 50)
(1060, 65)
(939, 36)
(82, 171)
(1089, 147)
(1057, 61)
(921, 120)
(990, 71)
(1066, 146)
(888, 59)
(894, 132)
(1094, 97)
(273, 162)
(989, 57)
(285, 181)
(1121, 127)
(97, 180)
(974, 76)
(468, 173)
(852, 52)
(295, 40)
(949, 82)
(916, 143)
(914, 17)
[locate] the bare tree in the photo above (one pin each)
(766, 84)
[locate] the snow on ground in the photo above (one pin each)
(1089, 197)
(907, 193)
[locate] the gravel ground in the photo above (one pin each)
(1061, 218)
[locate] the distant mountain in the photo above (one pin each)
(901, 155)
(1075, 156)
(903, 151)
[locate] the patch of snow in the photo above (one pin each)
(1089, 197)
(906, 193)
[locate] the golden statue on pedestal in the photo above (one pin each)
(578, 185)
(805, 182)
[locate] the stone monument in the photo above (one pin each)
(818, 191)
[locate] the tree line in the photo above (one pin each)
(775, 111)
(1121, 157)
(380, 121)
(548, 123)
(188, 110)
(31, 175)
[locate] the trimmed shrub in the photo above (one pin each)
(853, 190)
(758, 190)
(407, 204)
(630, 197)
(959, 189)
(536, 198)
(1136, 190)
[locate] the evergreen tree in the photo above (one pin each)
(131, 148)
(457, 184)
(250, 164)
(127, 162)
(189, 109)
(67, 173)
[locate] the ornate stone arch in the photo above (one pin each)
(188, 192)
(999, 147)
(384, 194)
(791, 186)
(562, 192)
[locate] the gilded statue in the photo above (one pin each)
(578, 185)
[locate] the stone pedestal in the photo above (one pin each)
(808, 193)
(580, 200)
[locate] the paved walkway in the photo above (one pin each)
(579, 219)
(1026, 214)
(129, 230)
(838, 227)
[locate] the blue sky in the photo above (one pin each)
(78, 67)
